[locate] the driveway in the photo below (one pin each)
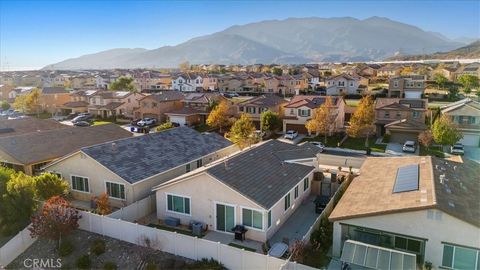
(298, 139)
(395, 149)
(472, 153)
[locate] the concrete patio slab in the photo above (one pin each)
(298, 223)
(226, 238)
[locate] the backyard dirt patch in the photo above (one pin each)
(125, 255)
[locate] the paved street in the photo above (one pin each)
(342, 159)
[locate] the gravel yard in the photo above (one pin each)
(123, 254)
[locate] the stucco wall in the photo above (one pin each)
(434, 225)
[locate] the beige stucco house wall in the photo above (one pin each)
(434, 226)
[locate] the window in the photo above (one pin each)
(456, 257)
(415, 114)
(295, 193)
(398, 115)
(178, 204)
(115, 190)
(292, 111)
(241, 108)
(305, 184)
(187, 168)
(252, 218)
(199, 163)
(154, 104)
(387, 115)
(304, 113)
(269, 218)
(408, 244)
(395, 83)
(80, 183)
(287, 201)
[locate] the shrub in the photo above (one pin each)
(386, 138)
(151, 266)
(109, 266)
(98, 247)
(84, 262)
(207, 264)
(322, 238)
(65, 249)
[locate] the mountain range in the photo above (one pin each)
(471, 51)
(289, 41)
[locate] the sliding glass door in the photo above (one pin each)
(225, 217)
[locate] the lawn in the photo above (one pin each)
(100, 122)
(352, 102)
(203, 128)
(350, 143)
(242, 247)
(432, 151)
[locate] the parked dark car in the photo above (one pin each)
(82, 124)
(82, 117)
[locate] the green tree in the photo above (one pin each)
(270, 121)
(440, 79)
(28, 103)
(18, 203)
(468, 82)
(124, 84)
(5, 175)
(165, 126)
(277, 71)
(219, 116)
(362, 119)
(242, 132)
(4, 105)
(323, 119)
(444, 132)
(48, 185)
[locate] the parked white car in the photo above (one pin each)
(320, 145)
(457, 149)
(291, 134)
(146, 122)
(409, 146)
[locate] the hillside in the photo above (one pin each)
(294, 40)
(470, 51)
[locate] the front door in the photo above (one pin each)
(225, 217)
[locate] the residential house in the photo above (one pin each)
(52, 98)
(29, 152)
(470, 69)
(187, 82)
(405, 216)
(114, 103)
(228, 83)
(156, 105)
(465, 115)
(20, 90)
(210, 82)
(195, 110)
(259, 188)
(255, 106)
(128, 169)
(411, 86)
(14, 127)
(79, 102)
(301, 108)
(401, 119)
(345, 84)
(389, 71)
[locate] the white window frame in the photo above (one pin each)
(256, 210)
(115, 198)
(76, 190)
(182, 196)
(295, 192)
(477, 262)
(59, 174)
(215, 215)
(289, 201)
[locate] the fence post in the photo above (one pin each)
(218, 250)
(195, 247)
(102, 221)
(175, 243)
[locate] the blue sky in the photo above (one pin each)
(37, 33)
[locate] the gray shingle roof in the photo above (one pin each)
(457, 190)
(137, 158)
(261, 174)
(54, 90)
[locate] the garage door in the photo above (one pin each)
(413, 94)
(298, 128)
(470, 139)
(402, 137)
(178, 119)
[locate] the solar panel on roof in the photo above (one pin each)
(407, 179)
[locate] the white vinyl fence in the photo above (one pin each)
(182, 245)
(136, 210)
(16, 246)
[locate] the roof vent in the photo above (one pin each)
(114, 147)
(451, 204)
(442, 178)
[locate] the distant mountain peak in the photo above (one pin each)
(288, 41)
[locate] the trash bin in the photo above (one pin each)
(369, 151)
(333, 177)
(197, 228)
